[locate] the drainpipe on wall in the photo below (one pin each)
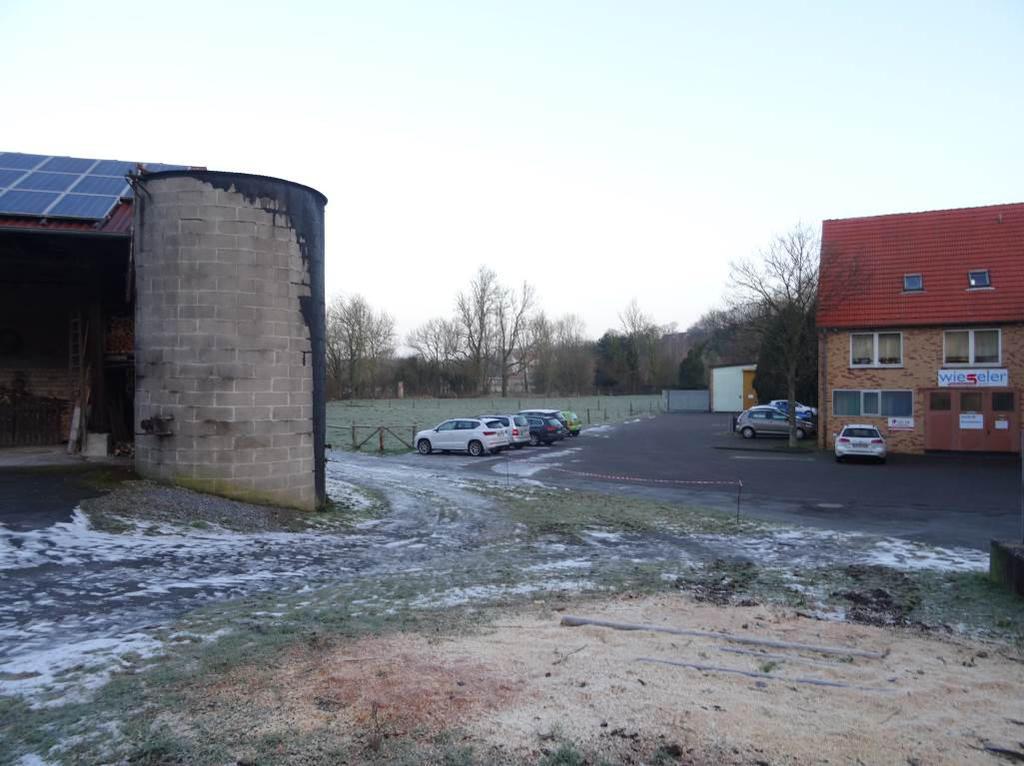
(822, 389)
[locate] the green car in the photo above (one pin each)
(572, 422)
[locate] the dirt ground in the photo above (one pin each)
(524, 684)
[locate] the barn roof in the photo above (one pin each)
(48, 193)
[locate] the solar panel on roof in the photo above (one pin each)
(112, 168)
(22, 202)
(67, 165)
(47, 181)
(65, 187)
(20, 161)
(92, 184)
(8, 177)
(81, 206)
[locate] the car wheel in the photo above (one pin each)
(747, 432)
(881, 461)
(534, 440)
(800, 434)
(517, 446)
(476, 449)
(575, 434)
(839, 459)
(423, 446)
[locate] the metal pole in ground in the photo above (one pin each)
(739, 495)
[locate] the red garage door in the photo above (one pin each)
(982, 420)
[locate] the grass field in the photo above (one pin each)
(405, 416)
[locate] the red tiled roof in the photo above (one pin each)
(118, 223)
(863, 261)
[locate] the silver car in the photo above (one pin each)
(517, 429)
(858, 440)
(765, 420)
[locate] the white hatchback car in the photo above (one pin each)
(860, 441)
(473, 435)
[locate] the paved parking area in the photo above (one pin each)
(939, 499)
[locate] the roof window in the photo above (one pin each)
(913, 283)
(979, 278)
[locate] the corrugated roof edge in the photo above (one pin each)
(922, 212)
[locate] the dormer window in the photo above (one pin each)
(978, 278)
(913, 283)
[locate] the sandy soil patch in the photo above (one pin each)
(525, 683)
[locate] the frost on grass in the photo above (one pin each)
(349, 495)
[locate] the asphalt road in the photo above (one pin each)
(948, 499)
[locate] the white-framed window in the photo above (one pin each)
(972, 347)
(895, 403)
(913, 283)
(876, 349)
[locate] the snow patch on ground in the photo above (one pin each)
(85, 664)
(348, 495)
(557, 566)
(820, 547)
(533, 464)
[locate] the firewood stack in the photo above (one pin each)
(120, 335)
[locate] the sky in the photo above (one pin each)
(602, 151)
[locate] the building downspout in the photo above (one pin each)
(822, 389)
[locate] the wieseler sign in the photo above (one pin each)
(980, 378)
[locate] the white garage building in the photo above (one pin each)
(732, 387)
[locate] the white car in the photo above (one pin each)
(517, 429)
(802, 410)
(860, 441)
(473, 435)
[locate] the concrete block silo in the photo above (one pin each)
(229, 335)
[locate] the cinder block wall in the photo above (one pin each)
(229, 335)
(922, 359)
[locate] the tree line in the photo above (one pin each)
(496, 339)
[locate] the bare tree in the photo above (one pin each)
(538, 349)
(380, 347)
(511, 308)
(359, 340)
(575, 360)
(642, 336)
(438, 343)
(779, 291)
(474, 311)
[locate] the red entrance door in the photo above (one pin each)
(983, 420)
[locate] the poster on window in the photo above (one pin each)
(971, 421)
(1002, 425)
(901, 424)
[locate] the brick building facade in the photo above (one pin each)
(921, 328)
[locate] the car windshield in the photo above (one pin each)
(495, 424)
(554, 422)
(521, 421)
(862, 433)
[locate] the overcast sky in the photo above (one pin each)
(600, 150)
